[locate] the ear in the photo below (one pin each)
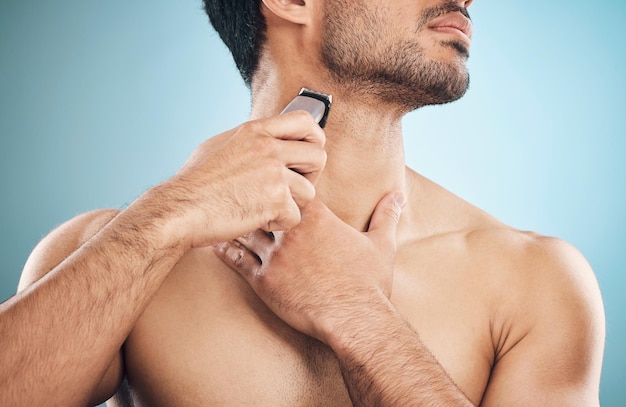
(294, 11)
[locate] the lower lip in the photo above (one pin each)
(454, 31)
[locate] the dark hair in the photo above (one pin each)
(241, 26)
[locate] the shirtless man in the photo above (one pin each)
(378, 287)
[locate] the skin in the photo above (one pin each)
(378, 287)
(97, 273)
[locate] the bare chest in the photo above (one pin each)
(207, 340)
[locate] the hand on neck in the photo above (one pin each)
(363, 142)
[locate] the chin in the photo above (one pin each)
(436, 84)
(405, 75)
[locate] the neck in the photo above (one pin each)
(364, 147)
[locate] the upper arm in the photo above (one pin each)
(555, 359)
(61, 243)
(55, 248)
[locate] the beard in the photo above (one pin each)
(362, 57)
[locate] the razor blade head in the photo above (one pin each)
(316, 103)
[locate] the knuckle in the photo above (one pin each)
(322, 136)
(272, 173)
(280, 213)
(308, 192)
(261, 277)
(319, 136)
(323, 158)
(251, 127)
(277, 168)
(236, 257)
(393, 212)
(277, 193)
(267, 146)
(240, 260)
(305, 117)
(289, 216)
(294, 217)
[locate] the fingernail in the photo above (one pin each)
(400, 199)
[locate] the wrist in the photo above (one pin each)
(155, 216)
(191, 219)
(360, 323)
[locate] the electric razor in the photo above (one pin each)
(316, 103)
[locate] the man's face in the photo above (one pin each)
(406, 52)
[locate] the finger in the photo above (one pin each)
(385, 219)
(315, 210)
(296, 125)
(238, 258)
(302, 190)
(306, 159)
(288, 217)
(259, 243)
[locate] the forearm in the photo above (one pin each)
(60, 334)
(384, 363)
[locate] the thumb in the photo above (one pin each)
(386, 217)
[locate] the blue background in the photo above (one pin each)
(101, 100)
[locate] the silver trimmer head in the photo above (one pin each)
(316, 103)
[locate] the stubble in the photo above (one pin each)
(362, 55)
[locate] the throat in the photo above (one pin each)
(358, 173)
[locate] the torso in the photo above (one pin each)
(207, 340)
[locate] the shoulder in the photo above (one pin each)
(526, 275)
(449, 223)
(545, 305)
(536, 265)
(539, 300)
(528, 253)
(62, 242)
(536, 275)
(546, 319)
